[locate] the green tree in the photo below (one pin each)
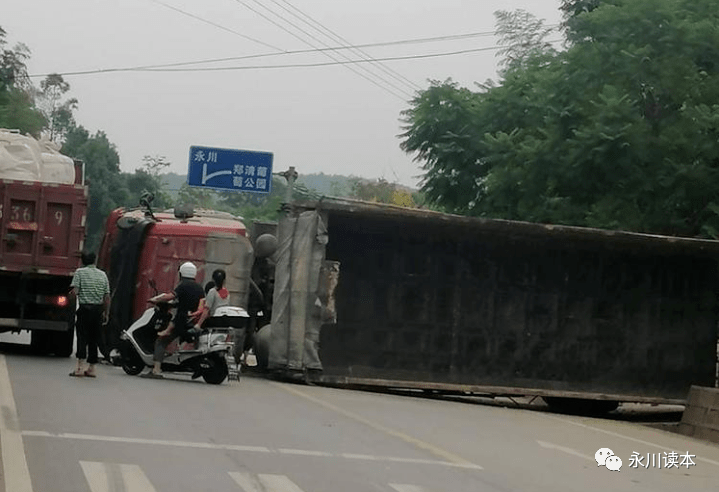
(522, 36)
(58, 113)
(197, 197)
(619, 131)
(17, 106)
(108, 187)
(152, 167)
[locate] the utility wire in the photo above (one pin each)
(319, 27)
(326, 64)
(328, 54)
(261, 67)
(319, 50)
(334, 37)
(378, 79)
(183, 12)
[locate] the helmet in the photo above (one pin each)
(188, 270)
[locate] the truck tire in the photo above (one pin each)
(62, 342)
(262, 347)
(581, 406)
(39, 342)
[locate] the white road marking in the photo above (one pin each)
(115, 477)
(403, 487)
(431, 448)
(153, 442)
(249, 449)
(304, 452)
(417, 461)
(15, 471)
(640, 441)
(549, 445)
(264, 483)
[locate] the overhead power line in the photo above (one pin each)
(201, 19)
(454, 37)
(160, 68)
(326, 64)
(395, 91)
(319, 27)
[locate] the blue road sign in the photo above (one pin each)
(230, 170)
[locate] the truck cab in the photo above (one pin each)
(142, 251)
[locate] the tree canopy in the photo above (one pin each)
(619, 130)
(17, 106)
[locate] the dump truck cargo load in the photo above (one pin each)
(438, 302)
(42, 227)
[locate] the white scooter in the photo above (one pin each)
(206, 357)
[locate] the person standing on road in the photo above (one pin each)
(91, 290)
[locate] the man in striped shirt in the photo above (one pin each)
(92, 290)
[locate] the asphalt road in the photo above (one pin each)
(119, 433)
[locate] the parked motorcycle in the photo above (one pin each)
(206, 356)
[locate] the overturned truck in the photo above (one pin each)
(445, 303)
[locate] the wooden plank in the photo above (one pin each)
(512, 228)
(490, 391)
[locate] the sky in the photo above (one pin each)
(331, 118)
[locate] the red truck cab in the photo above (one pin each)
(141, 249)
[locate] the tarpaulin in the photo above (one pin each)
(297, 307)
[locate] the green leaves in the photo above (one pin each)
(619, 131)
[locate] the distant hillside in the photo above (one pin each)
(173, 182)
(324, 184)
(328, 184)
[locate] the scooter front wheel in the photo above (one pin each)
(132, 363)
(215, 370)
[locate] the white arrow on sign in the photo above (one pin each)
(206, 176)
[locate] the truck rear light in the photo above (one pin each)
(57, 301)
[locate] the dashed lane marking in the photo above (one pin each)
(244, 448)
(115, 477)
(264, 483)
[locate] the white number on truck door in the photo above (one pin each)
(58, 217)
(20, 212)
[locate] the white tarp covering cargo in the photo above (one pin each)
(301, 301)
(23, 158)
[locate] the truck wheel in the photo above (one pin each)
(132, 363)
(63, 342)
(39, 342)
(581, 406)
(217, 370)
(262, 346)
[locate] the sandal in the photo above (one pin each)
(152, 375)
(74, 374)
(89, 375)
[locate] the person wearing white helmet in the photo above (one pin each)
(190, 298)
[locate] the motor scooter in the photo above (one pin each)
(206, 356)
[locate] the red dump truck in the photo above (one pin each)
(43, 206)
